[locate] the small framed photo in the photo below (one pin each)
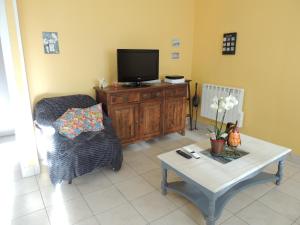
(176, 43)
(229, 43)
(50, 41)
(175, 55)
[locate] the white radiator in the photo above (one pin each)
(209, 91)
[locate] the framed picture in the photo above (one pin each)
(229, 43)
(50, 40)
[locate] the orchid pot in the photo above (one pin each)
(217, 146)
(219, 135)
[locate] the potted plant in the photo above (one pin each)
(218, 136)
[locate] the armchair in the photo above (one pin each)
(68, 158)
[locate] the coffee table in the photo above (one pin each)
(210, 184)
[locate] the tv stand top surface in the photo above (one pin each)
(120, 88)
(136, 85)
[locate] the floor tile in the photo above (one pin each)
(16, 173)
(43, 180)
(153, 177)
(123, 174)
(153, 206)
(283, 204)
(162, 147)
(136, 146)
(89, 221)
(26, 185)
(224, 217)
(100, 201)
(194, 213)
(294, 158)
(43, 168)
(56, 194)
(258, 190)
(291, 188)
(69, 212)
(234, 221)
(198, 135)
(134, 188)
(141, 170)
(296, 177)
(37, 218)
(92, 182)
(177, 199)
(259, 214)
(288, 171)
(175, 218)
(142, 164)
(187, 141)
(238, 202)
(124, 214)
(155, 159)
(28, 203)
(132, 155)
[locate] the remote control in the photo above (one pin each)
(195, 155)
(183, 154)
(192, 153)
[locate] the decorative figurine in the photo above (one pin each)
(103, 83)
(234, 138)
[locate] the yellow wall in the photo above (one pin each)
(266, 64)
(90, 31)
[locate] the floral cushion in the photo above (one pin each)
(69, 124)
(92, 117)
(76, 120)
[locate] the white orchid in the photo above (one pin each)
(222, 105)
(231, 101)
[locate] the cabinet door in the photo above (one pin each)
(151, 118)
(175, 114)
(125, 119)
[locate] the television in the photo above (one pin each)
(137, 65)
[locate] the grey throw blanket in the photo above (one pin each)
(67, 158)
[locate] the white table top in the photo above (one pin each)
(216, 176)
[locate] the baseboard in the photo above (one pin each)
(7, 133)
(30, 171)
(200, 126)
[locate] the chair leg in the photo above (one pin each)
(70, 181)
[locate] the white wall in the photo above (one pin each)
(6, 125)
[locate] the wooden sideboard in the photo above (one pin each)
(146, 112)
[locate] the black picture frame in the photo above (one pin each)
(229, 43)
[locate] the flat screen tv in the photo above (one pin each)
(137, 65)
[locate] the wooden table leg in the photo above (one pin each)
(279, 173)
(164, 182)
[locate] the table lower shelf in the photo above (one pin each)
(195, 195)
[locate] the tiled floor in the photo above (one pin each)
(132, 196)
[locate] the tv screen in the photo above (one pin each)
(136, 65)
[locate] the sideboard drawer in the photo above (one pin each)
(152, 94)
(176, 92)
(134, 97)
(125, 98)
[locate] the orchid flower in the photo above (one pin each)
(222, 105)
